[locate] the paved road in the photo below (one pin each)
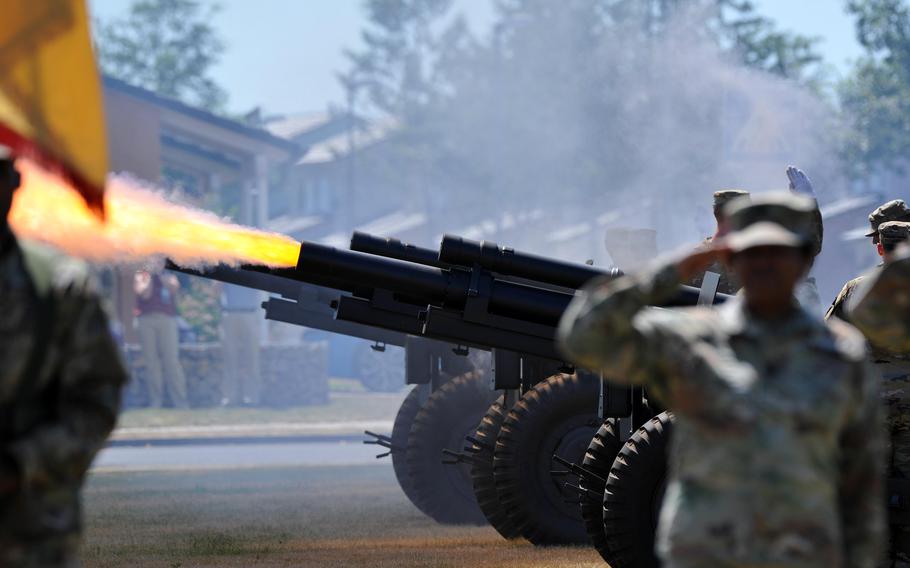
(218, 456)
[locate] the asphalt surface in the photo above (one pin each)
(249, 453)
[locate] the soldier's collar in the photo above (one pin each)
(736, 320)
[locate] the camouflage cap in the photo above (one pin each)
(893, 232)
(725, 196)
(770, 219)
(894, 210)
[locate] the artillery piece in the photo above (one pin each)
(482, 296)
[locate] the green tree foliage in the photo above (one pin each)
(761, 46)
(166, 46)
(876, 96)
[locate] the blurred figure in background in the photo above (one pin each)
(156, 303)
(240, 322)
(727, 282)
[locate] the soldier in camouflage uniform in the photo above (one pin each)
(881, 309)
(893, 361)
(895, 210)
(727, 284)
(777, 452)
(60, 382)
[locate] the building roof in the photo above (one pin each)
(199, 114)
(344, 143)
(291, 126)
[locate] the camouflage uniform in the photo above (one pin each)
(60, 391)
(895, 210)
(776, 456)
(881, 309)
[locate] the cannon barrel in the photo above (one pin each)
(275, 281)
(394, 248)
(504, 260)
(362, 273)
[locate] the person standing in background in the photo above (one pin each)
(240, 346)
(156, 302)
(894, 210)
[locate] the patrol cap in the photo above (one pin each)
(770, 219)
(894, 210)
(725, 196)
(893, 232)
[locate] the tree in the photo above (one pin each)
(565, 105)
(876, 95)
(165, 46)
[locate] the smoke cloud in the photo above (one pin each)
(602, 128)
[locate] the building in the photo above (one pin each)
(217, 163)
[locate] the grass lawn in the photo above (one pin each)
(342, 407)
(331, 516)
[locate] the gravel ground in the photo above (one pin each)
(302, 516)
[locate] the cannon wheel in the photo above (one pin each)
(401, 428)
(557, 416)
(380, 371)
(482, 471)
(444, 492)
(598, 459)
(634, 493)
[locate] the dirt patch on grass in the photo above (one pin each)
(332, 517)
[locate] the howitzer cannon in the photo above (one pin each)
(484, 296)
(428, 365)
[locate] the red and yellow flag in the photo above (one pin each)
(51, 107)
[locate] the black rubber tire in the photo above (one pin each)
(556, 416)
(634, 494)
(401, 428)
(599, 459)
(445, 492)
(482, 471)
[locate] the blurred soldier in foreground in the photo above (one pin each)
(60, 382)
(895, 210)
(776, 456)
(883, 315)
(881, 308)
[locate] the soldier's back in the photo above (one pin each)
(59, 396)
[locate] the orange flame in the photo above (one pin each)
(140, 224)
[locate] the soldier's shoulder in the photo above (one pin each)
(51, 270)
(850, 286)
(847, 341)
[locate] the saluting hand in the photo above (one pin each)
(799, 182)
(700, 259)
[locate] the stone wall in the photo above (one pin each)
(292, 375)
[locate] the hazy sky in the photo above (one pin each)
(283, 54)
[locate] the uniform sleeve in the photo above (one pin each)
(90, 382)
(862, 474)
(818, 231)
(608, 327)
(838, 306)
